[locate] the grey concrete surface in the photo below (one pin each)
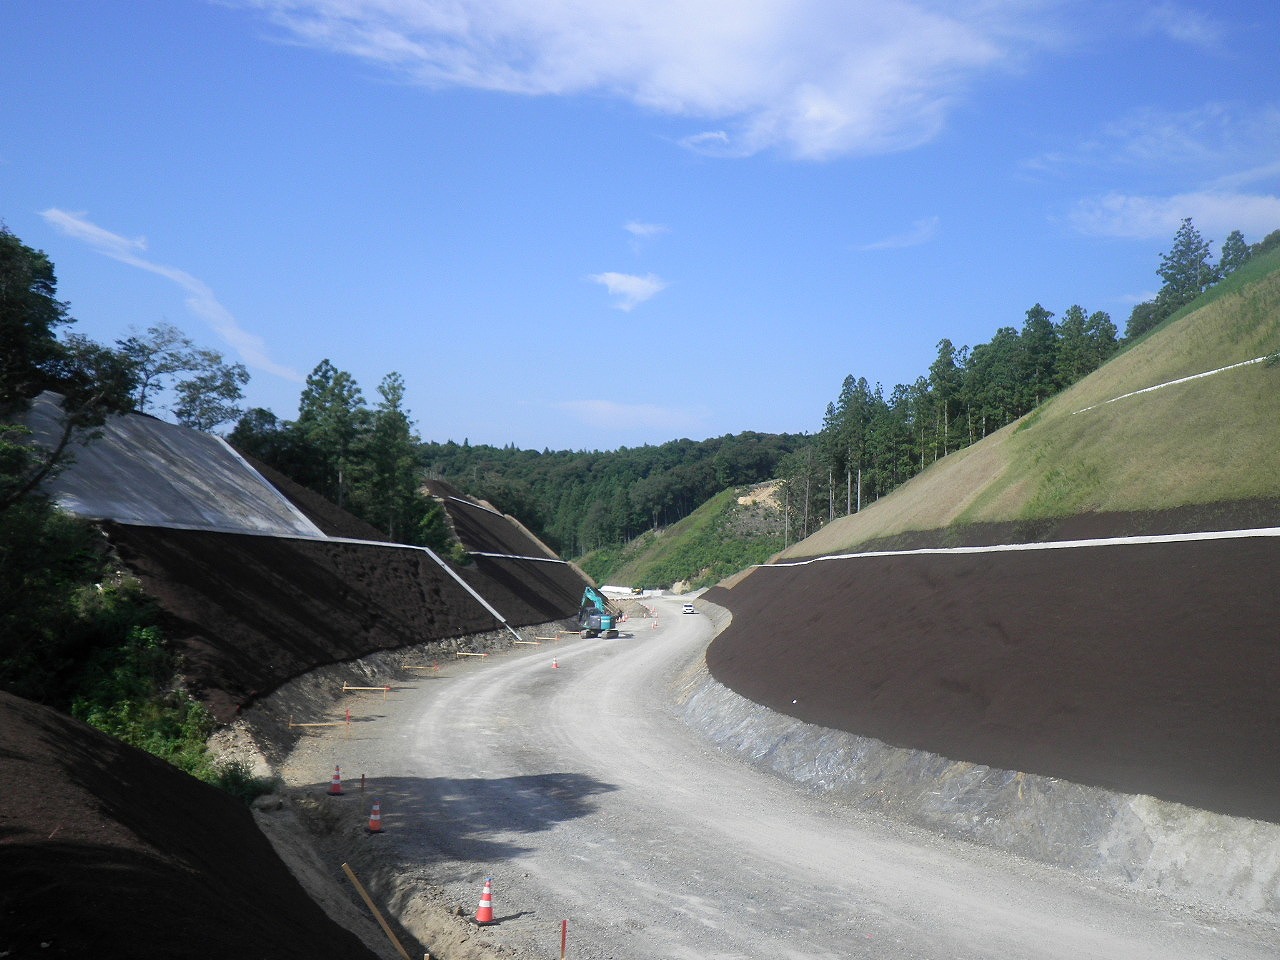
(139, 470)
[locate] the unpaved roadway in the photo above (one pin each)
(584, 796)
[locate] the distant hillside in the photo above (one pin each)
(577, 502)
(734, 529)
(1112, 444)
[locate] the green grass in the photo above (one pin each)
(1211, 440)
(702, 549)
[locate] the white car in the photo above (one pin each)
(688, 608)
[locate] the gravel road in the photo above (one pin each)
(580, 792)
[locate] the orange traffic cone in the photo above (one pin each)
(335, 784)
(375, 817)
(555, 663)
(484, 912)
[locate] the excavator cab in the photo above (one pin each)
(597, 617)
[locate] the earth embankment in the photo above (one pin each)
(1140, 668)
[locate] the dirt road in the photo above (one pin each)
(580, 792)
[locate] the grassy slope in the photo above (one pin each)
(1210, 440)
(702, 548)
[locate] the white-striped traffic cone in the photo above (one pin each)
(484, 912)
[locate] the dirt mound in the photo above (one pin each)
(1145, 669)
(108, 852)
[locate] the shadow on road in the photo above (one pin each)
(480, 819)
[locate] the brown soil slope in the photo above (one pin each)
(108, 852)
(250, 612)
(1149, 669)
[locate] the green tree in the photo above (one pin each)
(259, 433)
(1235, 253)
(1185, 269)
(1100, 333)
(389, 468)
(945, 382)
(209, 393)
(330, 413)
(157, 358)
(1084, 343)
(1073, 346)
(1269, 242)
(992, 378)
(1143, 317)
(209, 397)
(30, 315)
(1039, 364)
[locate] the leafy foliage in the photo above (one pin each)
(366, 461)
(871, 445)
(30, 314)
(208, 394)
(583, 501)
(74, 633)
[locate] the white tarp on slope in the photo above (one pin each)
(143, 471)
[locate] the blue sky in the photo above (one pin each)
(586, 224)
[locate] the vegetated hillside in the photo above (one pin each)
(1169, 454)
(734, 529)
(1146, 668)
(585, 500)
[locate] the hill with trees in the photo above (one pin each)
(1178, 431)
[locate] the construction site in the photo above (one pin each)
(1056, 752)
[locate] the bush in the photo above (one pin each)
(236, 778)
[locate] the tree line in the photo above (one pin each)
(581, 501)
(869, 443)
(371, 461)
(366, 460)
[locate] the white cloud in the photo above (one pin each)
(922, 231)
(633, 416)
(1150, 218)
(643, 231)
(630, 289)
(200, 298)
(815, 78)
(1220, 157)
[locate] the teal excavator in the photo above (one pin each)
(597, 617)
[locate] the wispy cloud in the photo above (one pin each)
(815, 79)
(1149, 218)
(1219, 160)
(1185, 25)
(629, 289)
(633, 416)
(200, 298)
(1204, 141)
(922, 231)
(644, 231)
